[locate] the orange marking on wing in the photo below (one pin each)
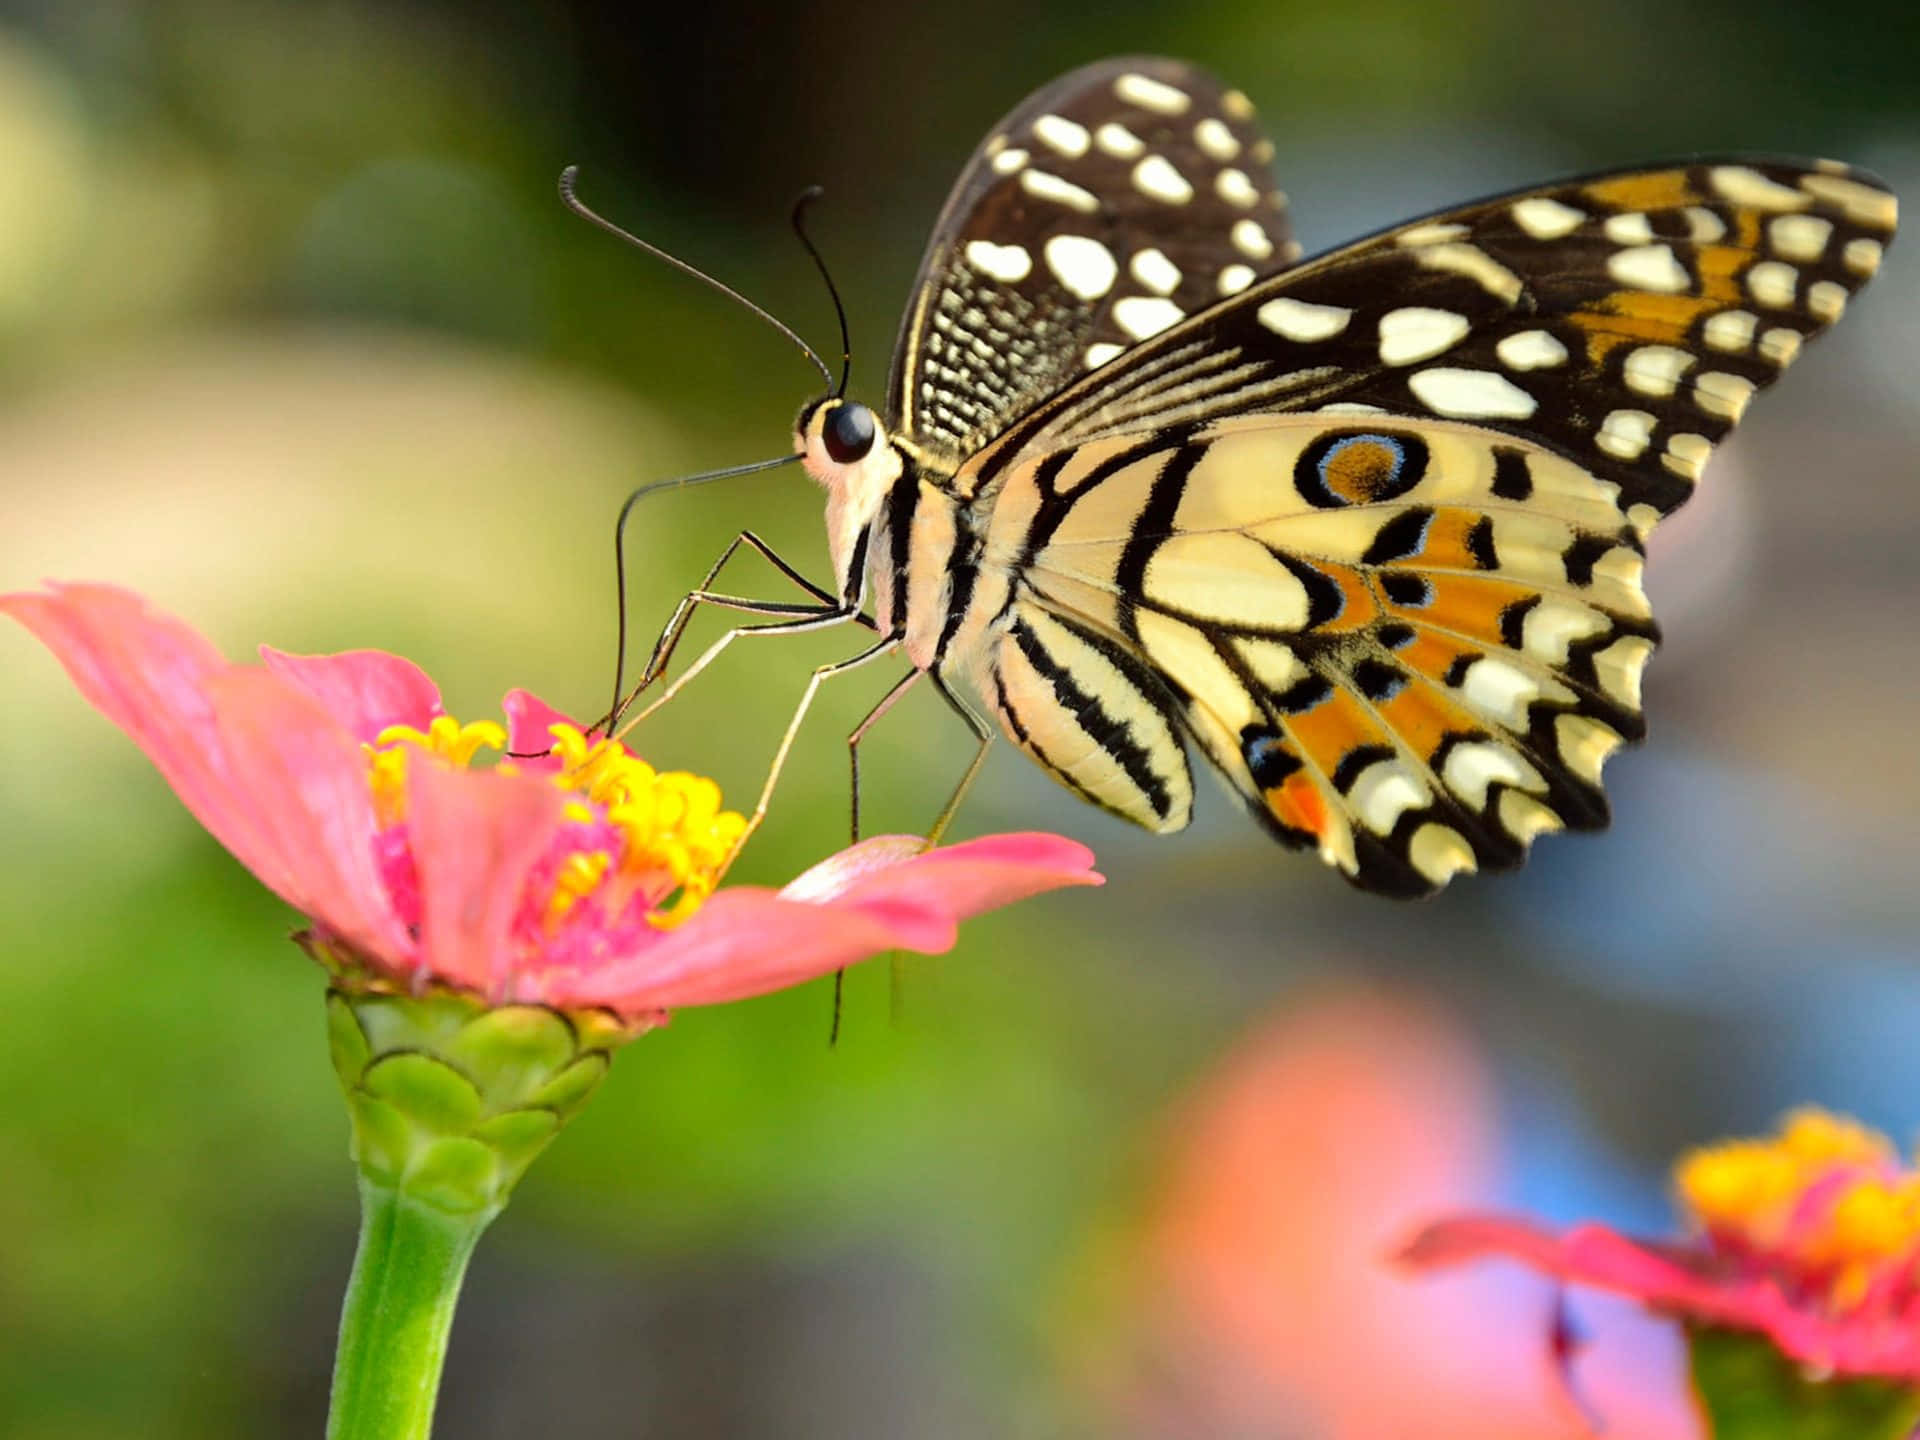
(1469, 605)
(1446, 543)
(1298, 804)
(1628, 316)
(1330, 729)
(1433, 655)
(1423, 717)
(1659, 190)
(1360, 609)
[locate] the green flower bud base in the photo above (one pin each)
(450, 1102)
(1750, 1391)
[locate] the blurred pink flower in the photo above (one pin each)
(578, 880)
(1273, 1309)
(1810, 1238)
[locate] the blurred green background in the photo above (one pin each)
(295, 338)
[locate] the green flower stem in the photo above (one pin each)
(398, 1314)
(450, 1100)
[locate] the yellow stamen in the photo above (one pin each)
(671, 823)
(444, 737)
(579, 877)
(1759, 1191)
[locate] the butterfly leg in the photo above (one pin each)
(838, 667)
(887, 702)
(983, 738)
(795, 620)
(703, 594)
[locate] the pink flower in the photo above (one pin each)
(1810, 1238)
(584, 879)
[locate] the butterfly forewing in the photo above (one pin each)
(1106, 208)
(1371, 530)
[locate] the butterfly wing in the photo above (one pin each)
(1372, 531)
(1106, 207)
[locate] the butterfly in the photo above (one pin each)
(1365, 530)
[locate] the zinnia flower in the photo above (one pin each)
(581, 880)
(491, 934)
(1809, 1239)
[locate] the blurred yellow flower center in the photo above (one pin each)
(675, 838)
(1826, 1193)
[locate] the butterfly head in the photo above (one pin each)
(842, 446)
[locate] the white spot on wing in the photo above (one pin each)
(1618, 668)
(1235, 188)
(1474, 766)
(1731, 330)
(1585, 745)
(1250, 240)
(1156, 178)
(1501, 690)
(1041, 185)
(1385, 791)
(1633, 228)
(1772, 283)
(1009, 264)
(1780, 345)
(1703, 226)
(1144, 315)
(1215, 139)
(1064, 136)
(1470, 394)
(1531, 350)
(1687, 454)
(1545, 218)
(1749, 187)
(1827, 299)
(1624, 433)
(1721, 394)
(1084, 266)
(1155, 271)
(1432, 233)
(1862, 204)
(1649, 267)
(1303, 320)
(1419, 332)
(1098, 355)
(1235, 278)
(1151, 94)
(1440, 852)
(1553, 625)
(1799, 237)
(1862, 256)
(1119, 142)
(1655, 369)
(1008, 161)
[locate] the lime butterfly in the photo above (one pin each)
(1365, 530)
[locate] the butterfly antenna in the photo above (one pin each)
(570, 176)
(682, 482)
(811, 194)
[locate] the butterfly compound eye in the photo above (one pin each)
(848, 433)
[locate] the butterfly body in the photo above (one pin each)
(1368, 530)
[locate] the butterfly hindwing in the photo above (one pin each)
(1372, 531)
(1109, 205)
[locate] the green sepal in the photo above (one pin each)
(1748, 1390)
(451, 1099)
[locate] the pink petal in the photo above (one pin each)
(148, 673)
(747, 941)
(307, 783)
(1677, 1282)
(477, 836)
(364, 690)
(956, 880)
(530, 722)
